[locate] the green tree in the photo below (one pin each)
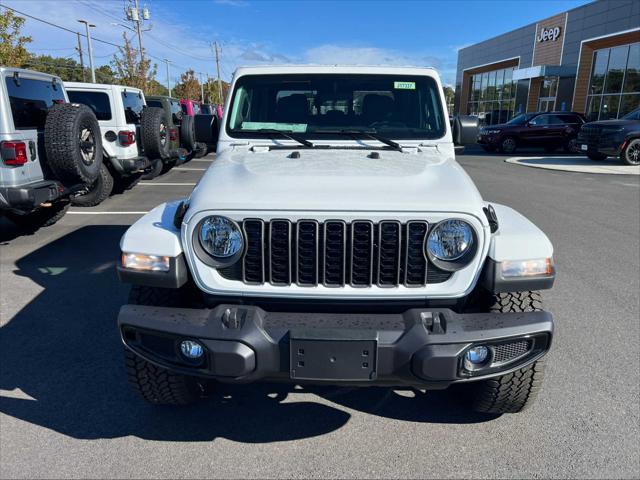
(212, 91)
(12, 45)
(129, 69)
(156, 88)
(189, 86)
(449, 94)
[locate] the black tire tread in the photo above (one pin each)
(158, 385)
(98, 192)
(510, 393)
(516, 302)
(150, 121)
(61, 143)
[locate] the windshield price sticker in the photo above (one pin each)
(404, 85)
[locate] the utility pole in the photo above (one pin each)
(218, 68)
(201, 89)
(90, 25)
(137, 21)
(84, 79)
(168, 78)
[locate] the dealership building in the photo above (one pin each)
(585, 60)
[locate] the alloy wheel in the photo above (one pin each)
(87, 146)
(632, 153)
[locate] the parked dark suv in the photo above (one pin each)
(616, 138)
(548, 130)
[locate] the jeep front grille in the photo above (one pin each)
(335, 253)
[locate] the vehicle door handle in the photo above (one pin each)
(32, 150)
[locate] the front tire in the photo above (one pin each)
(508, 145)
(631, 154)
(513, 392)
(158, 385)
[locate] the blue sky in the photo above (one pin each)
(268, 32)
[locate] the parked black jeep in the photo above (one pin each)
(612, 138)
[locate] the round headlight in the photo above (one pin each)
(220, 238)
(450, 244)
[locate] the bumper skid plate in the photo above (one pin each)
(418, 347)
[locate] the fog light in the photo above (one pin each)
(477, 355)
(191, 349)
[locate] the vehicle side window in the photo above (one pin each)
(571, 119)
(133, 105)
(540, 120)
(196, 109)
(184, 108)
(96, 101)
(176, 112)
(154, 103)
(556, 120)
(30, 101)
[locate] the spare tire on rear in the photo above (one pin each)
(188, 133)
(155, 133)
(73, 143)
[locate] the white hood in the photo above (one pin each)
(423, 180)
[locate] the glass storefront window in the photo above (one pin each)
(614, 89)
(593, 109)
(632, 76)
(628, 103)
(615, 72)
(600, 61)
(492, 96)
(609, 107)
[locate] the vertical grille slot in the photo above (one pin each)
(307, 252)
(253, 261)
(280, 252)
(334, 253)
(415, 267)
(361, 253)
(389, 245)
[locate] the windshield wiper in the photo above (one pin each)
(287, 134)
(372, 134)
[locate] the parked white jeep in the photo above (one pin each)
(134, 136)
(335, 240)
(50, 149)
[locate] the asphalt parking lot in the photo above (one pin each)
(67, 411)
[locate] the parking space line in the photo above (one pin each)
(169, 184)
(80, 212)
(201, 160)
(186, 169)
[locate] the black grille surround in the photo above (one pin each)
(335, 253)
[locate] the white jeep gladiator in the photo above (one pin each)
(336, 240)
(135, 137)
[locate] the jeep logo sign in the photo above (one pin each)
(549, 34)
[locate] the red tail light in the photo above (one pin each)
(13, 153)
(173, 134)
(126, 138)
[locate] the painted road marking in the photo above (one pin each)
(79, 212)
(575, 164)
(185, 169)
(169, 184)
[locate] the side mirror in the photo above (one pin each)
(465, 129)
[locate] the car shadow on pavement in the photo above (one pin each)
(62, 366)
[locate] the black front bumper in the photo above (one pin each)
(30, 196)
(419, 347)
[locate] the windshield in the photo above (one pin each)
(323, 105)
(634, 115)
(520, 119)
